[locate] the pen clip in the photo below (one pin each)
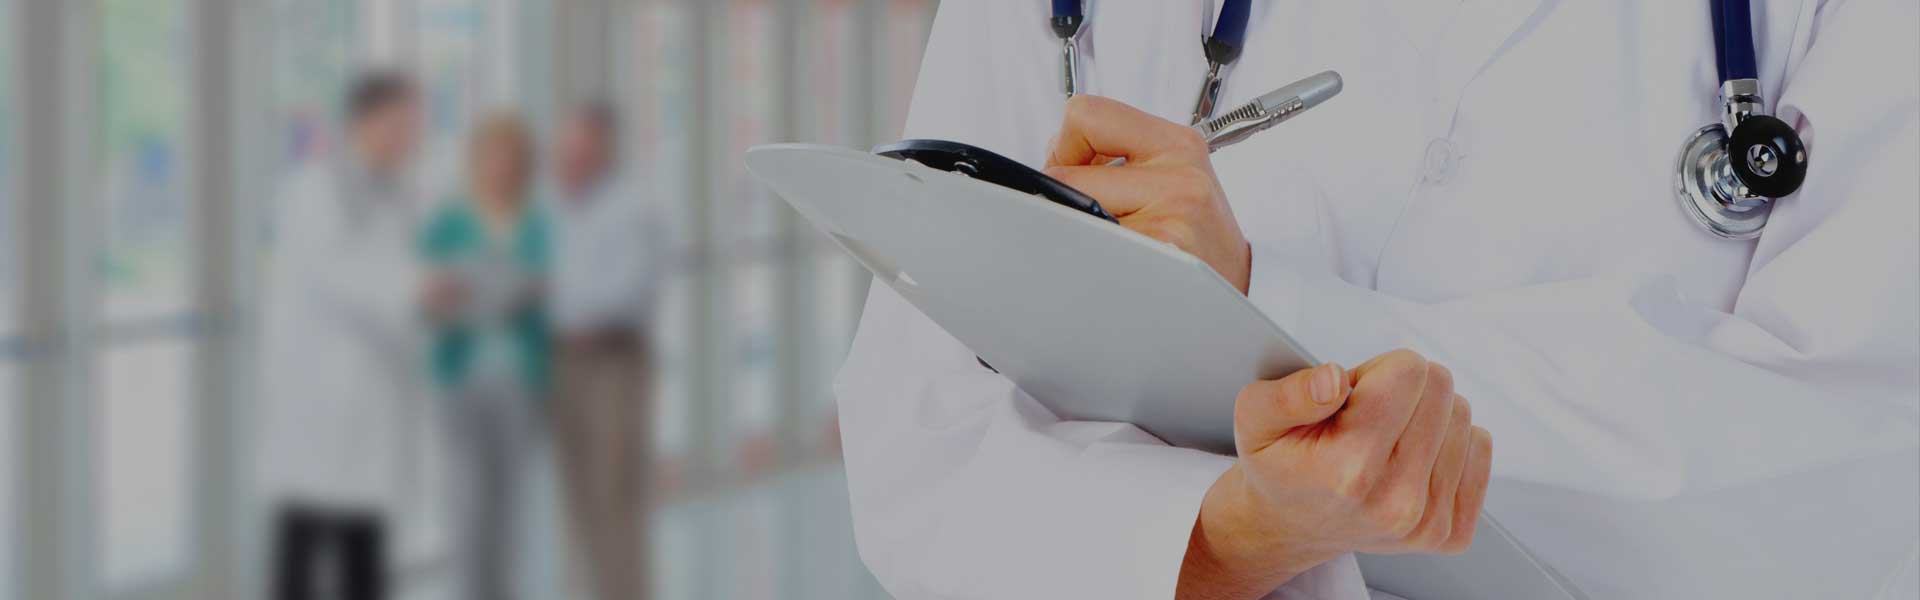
(1245, 121)
(1209, 94)
(1070, 64)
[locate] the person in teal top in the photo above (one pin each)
(486, 254)
(499, 267)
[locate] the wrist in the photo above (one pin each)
(1230, 554)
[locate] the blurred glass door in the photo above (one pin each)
(12, 348)
(142, 267)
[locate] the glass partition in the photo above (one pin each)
(142, 266)
(10, 350)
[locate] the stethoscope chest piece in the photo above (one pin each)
(1728, 182)
(1711, 194)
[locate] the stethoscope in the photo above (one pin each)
(1727, 182)
(1222, 49)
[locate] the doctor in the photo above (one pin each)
(1678, 415)
(342, 345)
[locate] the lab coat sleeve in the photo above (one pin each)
(961, 485)
(1619, 386)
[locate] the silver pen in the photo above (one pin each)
(1264, 112)
(1271, 109)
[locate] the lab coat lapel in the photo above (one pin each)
(1481, 31)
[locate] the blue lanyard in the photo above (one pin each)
(1067, 17)
(1229, 32)
(1732, 39)
(1223, 46)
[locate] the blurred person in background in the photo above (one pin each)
(340, 344)
(486, 252)
(609, 251)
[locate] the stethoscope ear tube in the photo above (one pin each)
(1067, 18)
(1733, 39)
(1229, 32)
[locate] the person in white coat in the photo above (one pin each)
(342, 342)
(1677, 415)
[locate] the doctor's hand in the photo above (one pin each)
(1383, 459)
(1167, 190)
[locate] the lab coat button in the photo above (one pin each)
(1441, 159)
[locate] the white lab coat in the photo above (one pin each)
(1674, 416)
(343, 361)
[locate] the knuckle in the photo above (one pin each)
(1423, 539)
(1193, 184)
(1189, 140)
(1404, 356)
(1457, 544)
(1183, 233)
(1439, 379)
(1438, 532)
(1352, 480)
(1413, 507)
(1248, 395)
(1405, 369)
(1401, 513)
(1203, 183)
(1155, 230)
(1462, 410)
(1079, 104)
(1246, 403)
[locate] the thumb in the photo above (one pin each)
(1095, 127)
(1270, 408)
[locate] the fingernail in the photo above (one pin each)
(1326, 383)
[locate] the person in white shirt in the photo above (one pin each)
(611, 250)
(341, 341)
(1677, 415)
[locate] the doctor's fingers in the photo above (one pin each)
(1472, 494)
(1268, 410)
(1095, 127)
(1130, 189)
(1443, 490)
(1387, 392)
(1419, 444)
(1401, 500)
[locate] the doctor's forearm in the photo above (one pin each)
(1225, 559)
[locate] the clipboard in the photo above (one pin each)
(1046, 287)
(1040, 289)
